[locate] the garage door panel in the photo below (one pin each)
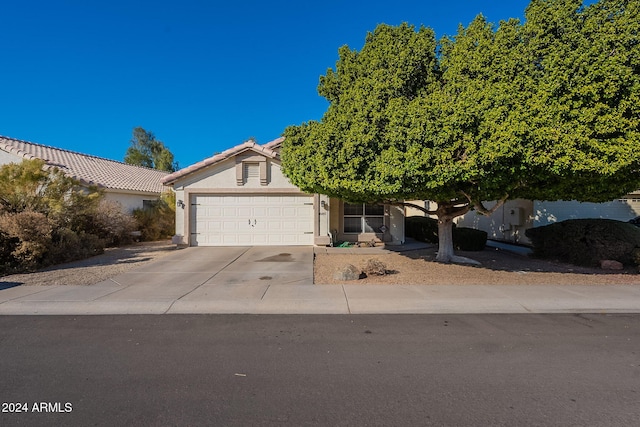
(260, 212)
(251, 220)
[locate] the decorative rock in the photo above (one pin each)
(373, 267)
(610, 264)
(348, 272)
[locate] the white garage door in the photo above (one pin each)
(227, 220)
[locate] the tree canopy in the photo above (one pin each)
(547, 109)
(147, 151)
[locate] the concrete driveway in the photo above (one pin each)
(193, 280)
(228, 265)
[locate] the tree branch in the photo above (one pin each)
(478, 206)
(410, 205)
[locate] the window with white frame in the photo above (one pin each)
(363, 218)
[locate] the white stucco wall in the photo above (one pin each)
(129, 201)
(549, 212)
(507, 223)
(6, 158)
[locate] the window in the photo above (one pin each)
(363, 218)
(149, 204)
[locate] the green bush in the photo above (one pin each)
(157, 221)
(469, 239)
(422, 228)
(586, 241)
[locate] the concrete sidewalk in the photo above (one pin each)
(269, 298)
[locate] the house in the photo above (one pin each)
(131, 186)
(241, 197)
(509, 222)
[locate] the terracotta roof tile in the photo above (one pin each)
(105, 173)
(266, 149)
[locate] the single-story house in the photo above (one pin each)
(131, 186)
(241, 197)
(509, 222)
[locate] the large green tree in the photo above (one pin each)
(546, 109)
(147, 151)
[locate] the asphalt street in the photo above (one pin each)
(325, 370)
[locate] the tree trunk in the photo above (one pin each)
(447, 211)
(445, 239)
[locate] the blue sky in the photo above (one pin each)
(202, 75)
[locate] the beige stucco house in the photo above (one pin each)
(241, 197)
(129, 185)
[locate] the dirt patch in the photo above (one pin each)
(96, 269)
(498, 267)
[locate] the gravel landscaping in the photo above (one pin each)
(498, 267)
(96, 269)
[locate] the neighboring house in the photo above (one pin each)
(129, 185)
(240, 197)
(510, 221)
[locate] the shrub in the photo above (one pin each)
(8, 263)
(68, 245)
(469, 239)
(48, 218)
(157, 221)
(32, 233)
(586, 241)
(422, 228)
(77, 211)
(113, 225)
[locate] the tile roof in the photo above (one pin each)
(105, 173)
(267, 150)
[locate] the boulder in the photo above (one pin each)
(610, 264)
(348, 272)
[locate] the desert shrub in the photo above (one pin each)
(30, 186)
(32, 233)
(77, 211)
(469, 239)
(157, 221)
(48, 218)
(112, 224)
(68, 245)
(374, 267)
(586, 241)
(8, 263)
(422, 228)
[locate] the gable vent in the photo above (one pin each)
(251, 172)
